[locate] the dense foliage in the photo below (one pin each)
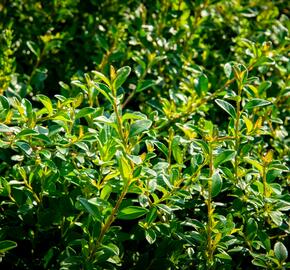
(144, 134)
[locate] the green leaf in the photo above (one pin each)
(104, 119)
(39, 77)
(224, 256)
(64, 86)
(227, 107)
(280, 251)
(47, 103)
(176, 150)
(4, 103)
(82, 146)
(105, 91)
(163, 181)
(25, 147)
(264, 60)
(251, 228)
(162, 148)
(5, 188)
(264, 238)
(152, 215)
(135, 159)
(143, 85)
(78, 100)
(91, 207)
(101, 76)
(157, 59)
(62, 116)
(26, 132)
(139, 127)
(203, 145)
(132, 212)
(264, 86)
(201, 85)
(33, 48)
(166, 209)
(48, 256)
(28, 108)
(228, 70)
(196, 237)
(121, 76)
(80, 85)
(255, 163)
(134, 116)
(279, 166)
(4, 128)
(259, 262)
(224, 156)
(256, 102)
(84, 112)
(7, 245)
(124, 167)
(216, 184)
(150, 236)
(277, 217)
(106, 191)
(113, 249)
(45, 153)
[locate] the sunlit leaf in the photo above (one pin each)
(47, 103)
(256, 102)
(121, 76)
(227, 107)
(131, 212)
(216, 184)
(139, 127)
(281, 252)
(224, 156)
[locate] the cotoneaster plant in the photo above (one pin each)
(95, 186)
(177, 158)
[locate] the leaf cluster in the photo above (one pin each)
(144, 135)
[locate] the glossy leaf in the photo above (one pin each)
(216, 184)
(4, 102)
(151, 215)
(281, 252)
(47, 103)
(227, 107)
(26, 132)
(101, 76)
(84, 112)
(25, 147)
(201, 84)
(105, 91)
(121, 76)
(33, 48)
(139, 127)
(131, 212)
(7, 245)
(251, 228)
(223, 156)
(5, 128)
(124, 167)
(256, 102)
(177, 151)
(150, 236)
(91, 207)
(228, 70)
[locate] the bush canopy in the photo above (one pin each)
(144, 134)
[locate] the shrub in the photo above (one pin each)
(175, 160)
